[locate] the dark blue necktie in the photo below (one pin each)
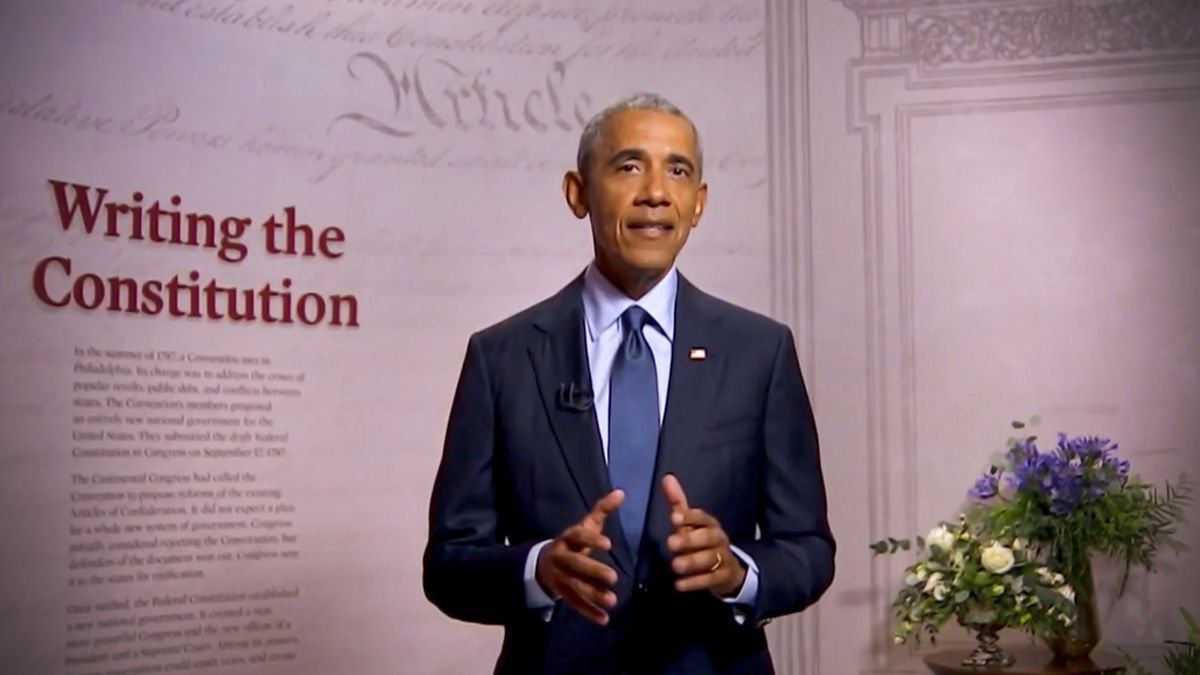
(633, 423)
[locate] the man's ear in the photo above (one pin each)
(575, 193)
(701, 202)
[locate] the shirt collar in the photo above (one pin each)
(603, 303)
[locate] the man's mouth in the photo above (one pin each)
(650, 228)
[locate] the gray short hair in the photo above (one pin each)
(639, 101)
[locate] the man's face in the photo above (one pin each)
(643, 193)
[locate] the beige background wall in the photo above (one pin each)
(1003, 222)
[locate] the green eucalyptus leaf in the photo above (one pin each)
(1193, 626)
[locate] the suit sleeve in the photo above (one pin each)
(795, 549)
(470, 572)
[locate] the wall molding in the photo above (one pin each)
(796, 645)
(919, 59)
(940, 33)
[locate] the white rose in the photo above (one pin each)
(1058, 579)
(912, 579)
(933, 581)
(939, 593)
(941, 538)
(1018, 544)
(1067, 592)
(897, 640)
(922, 574)
(1044, 575)
(997, 559)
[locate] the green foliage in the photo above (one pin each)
(891, 545)
(1133, 523)
(1130, 520)
(963, 574)
(1181, 658)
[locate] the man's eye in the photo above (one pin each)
(627, 167)
(680, 171)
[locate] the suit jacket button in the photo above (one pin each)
(641, 588)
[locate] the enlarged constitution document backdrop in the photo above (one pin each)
(245, 243)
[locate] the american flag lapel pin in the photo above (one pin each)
(698, 354)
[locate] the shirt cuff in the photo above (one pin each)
(747, 597)
(535, 597)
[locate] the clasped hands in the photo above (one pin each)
(702, 559)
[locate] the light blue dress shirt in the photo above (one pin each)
(603, 306)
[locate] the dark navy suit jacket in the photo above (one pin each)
(523, 461)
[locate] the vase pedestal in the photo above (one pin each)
(1029, 661)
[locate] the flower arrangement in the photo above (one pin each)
(982, 582)
(1020, 555)
(1077, 499)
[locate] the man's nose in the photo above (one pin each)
(653, 190)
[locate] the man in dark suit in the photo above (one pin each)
(630, 481)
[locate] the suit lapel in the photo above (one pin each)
(690, 397)
(559, 362)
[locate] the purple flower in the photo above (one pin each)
(1094, 459)
(985, 488)
(1078, 471)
